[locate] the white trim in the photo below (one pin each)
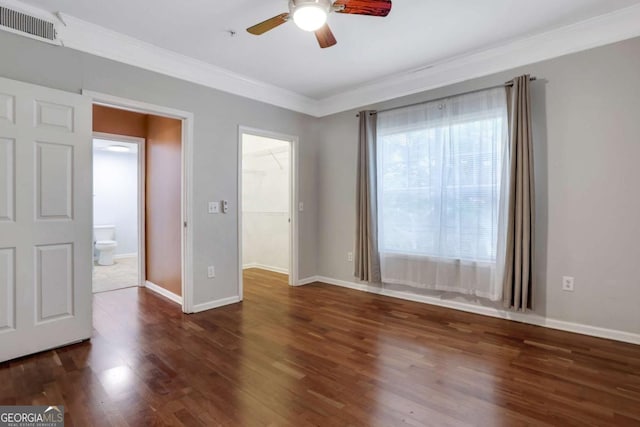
(307, 281)
(141, 157)
(142, 212)
(293, 201)
(187, 212)
(529, 318)
(215, 304)
(97, 40)
(265, 267)
(135, 105)
(598, 31)
(601, 30)
(162, 291)
(187, 177)
(119, 138)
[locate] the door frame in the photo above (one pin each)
(187, 119)
(293, 200)
(142, 274)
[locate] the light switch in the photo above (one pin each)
(214, 207)
(301, 206)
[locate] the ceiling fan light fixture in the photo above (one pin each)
(310, 15)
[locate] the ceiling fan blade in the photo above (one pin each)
(269, 24)
(363, 7)
(325, 37)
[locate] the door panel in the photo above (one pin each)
(54, 116)
(54, 171)
(7, 103)
(7, 181)
(45, 218)
(54, 281)
(7, 289)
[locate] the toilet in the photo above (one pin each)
(106, 244)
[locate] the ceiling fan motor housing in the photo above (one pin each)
(297, 4)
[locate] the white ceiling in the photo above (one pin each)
(416, 33)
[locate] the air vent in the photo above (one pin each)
(23, 23)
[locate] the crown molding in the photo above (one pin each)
(598, 31)
(96, 40)
(605, 29)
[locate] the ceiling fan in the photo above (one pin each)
(311, 15)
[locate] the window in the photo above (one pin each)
(439, 181)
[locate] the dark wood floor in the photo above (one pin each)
(324, 356)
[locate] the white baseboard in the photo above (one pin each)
(215, 304)
(530, 318)
(162, 291)
(266, 267)
(307, 281)
(121, 256)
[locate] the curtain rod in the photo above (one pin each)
(509, 83)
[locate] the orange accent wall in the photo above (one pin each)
(119, 122)
(163, 203)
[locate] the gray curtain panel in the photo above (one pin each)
(518, 275)
(367, 258)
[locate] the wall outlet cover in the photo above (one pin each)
(568, 283)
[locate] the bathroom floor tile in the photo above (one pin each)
(122, 274)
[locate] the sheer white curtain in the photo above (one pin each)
(442, 193)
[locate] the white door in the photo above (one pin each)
(45, 218)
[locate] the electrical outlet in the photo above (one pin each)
(211, 272)
(567, 283)
(350, 256)
(214, 207)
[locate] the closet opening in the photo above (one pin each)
(267, 208)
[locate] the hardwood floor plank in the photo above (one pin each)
(319, 355)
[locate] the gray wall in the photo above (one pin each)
(587, 153)
(217, 116)
(587, 136)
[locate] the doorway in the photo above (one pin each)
(267, 214)
(118, 212)
(164, 193)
